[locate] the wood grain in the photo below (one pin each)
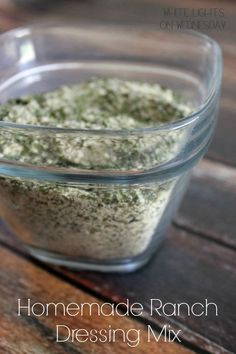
(19, 279)
(185, 269)
(208, 209)
(209, 206)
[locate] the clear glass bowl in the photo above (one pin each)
(109, 207)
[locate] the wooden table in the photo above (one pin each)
(197, 259)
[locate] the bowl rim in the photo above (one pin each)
(182, 122)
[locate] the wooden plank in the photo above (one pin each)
(208, 207)
(186, 269)
(19, 279)
(203, 212)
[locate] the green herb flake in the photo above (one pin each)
(95, 222)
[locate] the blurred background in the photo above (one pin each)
(141, 12)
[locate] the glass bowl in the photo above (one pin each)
(108, 208)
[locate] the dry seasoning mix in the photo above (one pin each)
(98, 222)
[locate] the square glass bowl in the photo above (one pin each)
(110, 210)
